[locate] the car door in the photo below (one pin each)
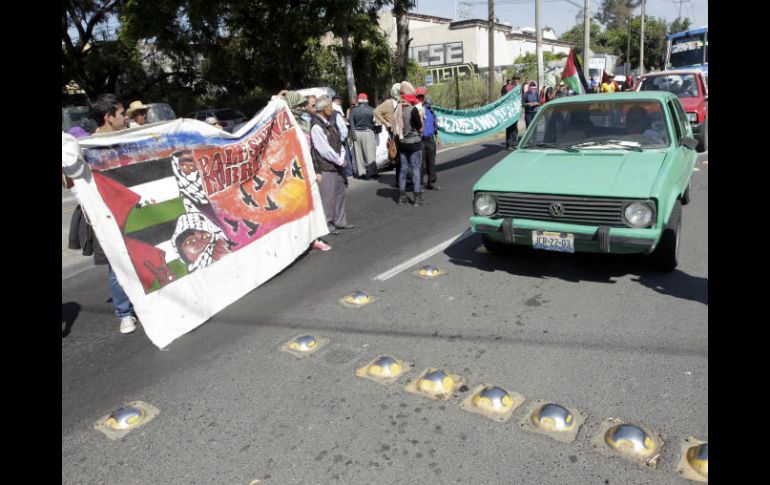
(685, 157)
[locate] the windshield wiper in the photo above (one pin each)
(614, 143)
(552, 145)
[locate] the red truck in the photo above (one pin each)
(691, 89)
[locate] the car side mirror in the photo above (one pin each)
(690, 142)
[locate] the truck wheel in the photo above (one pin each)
(703, 146)
(494, 246)
(666, 255)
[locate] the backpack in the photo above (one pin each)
(430, 123)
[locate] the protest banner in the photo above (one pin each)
(458, 126)
(192, 218)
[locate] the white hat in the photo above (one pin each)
(135, 106)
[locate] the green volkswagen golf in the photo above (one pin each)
(604, 173)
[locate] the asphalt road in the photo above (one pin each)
(604, 334)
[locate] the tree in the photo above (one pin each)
(679, 25)
(400, 9)
(575, 36)
(614, 13)
(654, 41)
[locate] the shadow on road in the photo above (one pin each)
(597, 268)
(69, 313)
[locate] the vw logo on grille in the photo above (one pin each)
(556, 209)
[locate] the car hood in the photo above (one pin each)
(605, 173)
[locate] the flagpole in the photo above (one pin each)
(538, 45)
(586, 38)
(641, 46)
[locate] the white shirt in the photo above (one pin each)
(321, 144)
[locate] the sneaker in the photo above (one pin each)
(127, 324)
(321, 246)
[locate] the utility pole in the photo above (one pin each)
(586, 39)
(491, 63)
(628, 47)
(538, 45)
(641, 45)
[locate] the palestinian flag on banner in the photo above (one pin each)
(573, 75)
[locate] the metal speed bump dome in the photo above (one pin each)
(357, 299)
(429, 271)
(558, 421)
(304, 345)
(629, 440)
(694, 463)
(384, 369)
(126, 418)
(435, 383)
(492, 402)
(553, 417)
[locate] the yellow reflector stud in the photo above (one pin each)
(435, 382)
(698, 458)
(429, 271)
(125, 418)
(357, 298)
(304, 343)
(553, 418)
(385, 366)
(493, 399)
(631, 440)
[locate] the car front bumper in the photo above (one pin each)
(588, 239)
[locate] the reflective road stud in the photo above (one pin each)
(631, 441)
(384, 369)
(304, 345)
(435, 384)
(558, 421)
(357, 299)
(126, 418)
(492, 402)
(429, 271)
(694, 463)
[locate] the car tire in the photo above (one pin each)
(666, 254)
(703, 142)
(686, 195)
(494, 246)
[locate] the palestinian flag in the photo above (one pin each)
(573, 75)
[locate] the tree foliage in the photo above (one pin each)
(614, 13)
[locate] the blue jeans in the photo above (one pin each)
(410, 161)
(123, 307)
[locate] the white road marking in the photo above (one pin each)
(423, 256)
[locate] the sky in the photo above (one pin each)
(560, 14)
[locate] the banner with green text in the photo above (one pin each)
(457, 126)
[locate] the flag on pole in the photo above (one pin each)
(573, 74)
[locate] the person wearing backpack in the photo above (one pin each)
(430, 141)
(407, 125)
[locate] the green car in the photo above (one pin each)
(604, 173)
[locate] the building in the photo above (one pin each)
(448, 48)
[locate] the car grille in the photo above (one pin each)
(578, 210)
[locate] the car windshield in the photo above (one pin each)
(618, 125)
(683, 85)
(160, 112)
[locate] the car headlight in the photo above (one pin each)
(638, 214)
(693, 117)
(485, 205)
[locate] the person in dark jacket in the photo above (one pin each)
(329, 163)
(430, 141)
(407, 124)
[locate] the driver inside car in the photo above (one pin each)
(638, 123)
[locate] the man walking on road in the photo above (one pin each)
(430, 140)
(531, 103)
(109, 115)
(362, 122)
(512, 131)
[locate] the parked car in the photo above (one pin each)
(691, 89)
(605, 173)
(226, 117)
(158, 112)
(77, 116)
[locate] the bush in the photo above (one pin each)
(473, 94)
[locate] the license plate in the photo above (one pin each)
(553, 241)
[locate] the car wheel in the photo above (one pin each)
(703, 146)
(666, 255)
(494, 246)
(686, 195)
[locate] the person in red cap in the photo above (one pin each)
(362, 122)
